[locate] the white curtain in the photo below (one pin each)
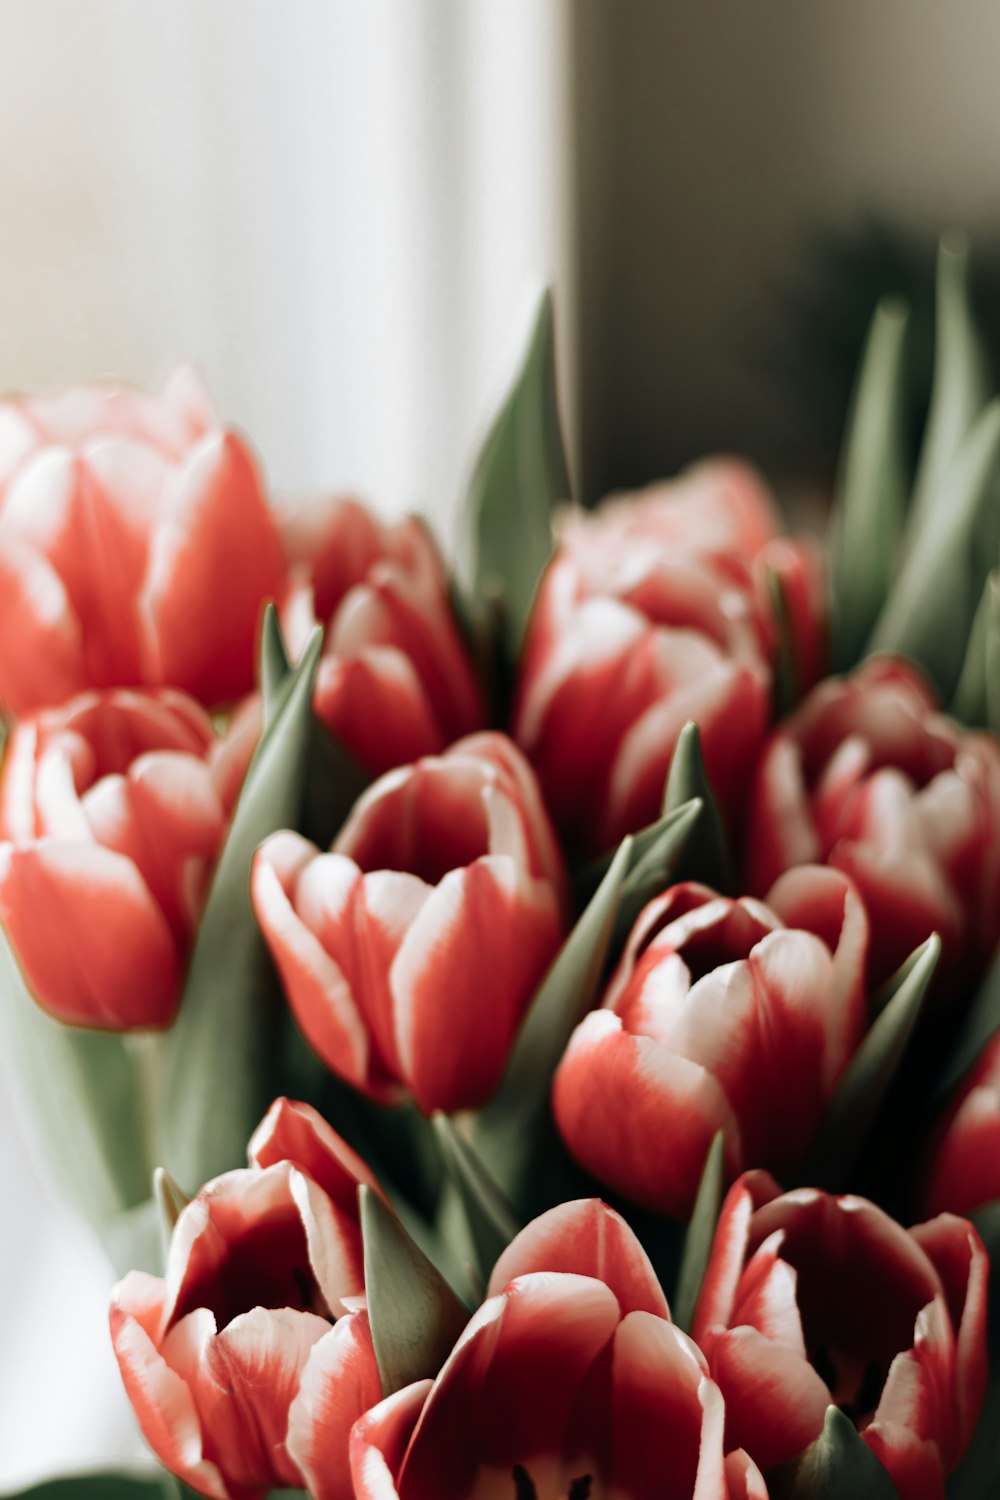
(340, 210)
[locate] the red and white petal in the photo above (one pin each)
(334, 1242)
(380, 1438)
(775, 1401)
(92, 943)
(744, 1481)
(509, 1391)
(729, 1250)
(781, 831)
(41, 640)
(339, 1384)
(960, 1259)
(162, 1402)
(585, 1238)
(822, 900)
(216, 553)
(375, 704)
(465, 971)
(314, 984)
(244, 1380)
(670, 1098)
(297, 1133)
(666, 1417)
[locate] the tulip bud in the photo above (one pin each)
(113, 809)
(654, 612)
(395, 681)
(249, 1362)
(722, 1015)
(870, 777)
(410, 951)
(127, 524)
(811, 1300)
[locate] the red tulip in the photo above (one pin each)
(570, 1381)
(395, 681)
(655, 611)
(249, 1362)
(963, 1173)
(810, 1300)
(868, 776)
(722, 1015)
(136, 547)
(113, 809)
(409, 952)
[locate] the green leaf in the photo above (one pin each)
(928, 615)
(414, 1314)
(871, 1070)
(80, 1097)
(700, 1233)
(491, 1220)
(96, 1486)
(653, 871)
(960, 386)
(981, 1024)
(872, 487)
(219, 1053)
(170, 1201)
(977, 697)
(275, 664)
(504, 1129)
(519, 477)
(707, 855)
(839, 1465)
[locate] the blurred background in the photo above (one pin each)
(342, 213)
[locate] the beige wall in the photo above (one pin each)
(711, 136)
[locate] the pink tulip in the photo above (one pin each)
(136, 547)
(249, 1362)
(112, 812)
(810, 1300)
(963, 1172)
(656, 610)
(870, 777)
(395, 681)
(410, 952)
(722, 1015)
(570, 1381)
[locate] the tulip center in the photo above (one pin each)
(855, 1385)
(524, 1486)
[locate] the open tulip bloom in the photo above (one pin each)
(655, 859)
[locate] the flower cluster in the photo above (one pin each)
(623, 896)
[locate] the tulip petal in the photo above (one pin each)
(508, 1393)
(729, 1248)
(340, 1382)
(604, 1064)
(217, 550)
(775, 1401)
(161, 1399)
(93, 944)
(41, 642)
(380, 1438)
(464, 973)
(667, 1418)
(298, 1133)
(375, 704)
(314, 984)
(960, 1259)
(744, 1480)
(585, 1238)
(243, 1380)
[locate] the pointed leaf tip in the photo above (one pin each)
(700, 1234)
(838, 1465)
(520, 475)
(415, 1316)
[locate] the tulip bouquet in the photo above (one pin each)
(534, 1033)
